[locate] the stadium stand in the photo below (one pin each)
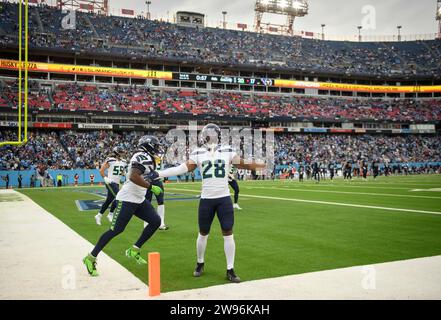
(141, 38)
(75, 149)
(142, 99)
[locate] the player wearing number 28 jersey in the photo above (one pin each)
(214, 162)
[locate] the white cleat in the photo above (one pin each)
(110, 217)
(236, 206)
(164, 227)
(98, 219)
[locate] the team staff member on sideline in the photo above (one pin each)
(331, 168)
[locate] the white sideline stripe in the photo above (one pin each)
(47, 259)
(404, 280)
(348, 192)
(328, 203)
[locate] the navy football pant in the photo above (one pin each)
(112, 190)
(121, 217)
(208, 208)
(233, 184)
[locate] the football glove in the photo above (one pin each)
(156, 190)
(152, 176)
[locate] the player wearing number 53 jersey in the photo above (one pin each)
(116, 168)
(214, 162)
(131, 201)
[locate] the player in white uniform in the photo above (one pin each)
(116, 168)
(214, 162)
(131, 201)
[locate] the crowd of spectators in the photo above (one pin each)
(88, 149)
(338, 148)
(142, 38)
(37, 98)
(41, 148)
(142, 99)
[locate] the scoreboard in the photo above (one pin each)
(267, 82)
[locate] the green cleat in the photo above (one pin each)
(134, 253)
(90, 263)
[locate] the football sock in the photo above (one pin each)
(230, 250)
(161, 213)
(201, 244)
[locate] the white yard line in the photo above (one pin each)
(41, 258)
(407, 279)
(348, 192)
(327, 203)
(349, 185)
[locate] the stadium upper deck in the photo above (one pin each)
(144, 40)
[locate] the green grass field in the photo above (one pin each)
(282, 229)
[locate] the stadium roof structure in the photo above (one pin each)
(96, 6)
(290, 8)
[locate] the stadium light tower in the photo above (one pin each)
(224, 23)
(438, 17)
(96, 6)
(399, 32)
(323, 31)
(148, 3)
(289, 8)
(359, 33)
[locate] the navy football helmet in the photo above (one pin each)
(151, 145)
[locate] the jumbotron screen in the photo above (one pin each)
(223, 79)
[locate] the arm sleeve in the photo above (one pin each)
(175, 171)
